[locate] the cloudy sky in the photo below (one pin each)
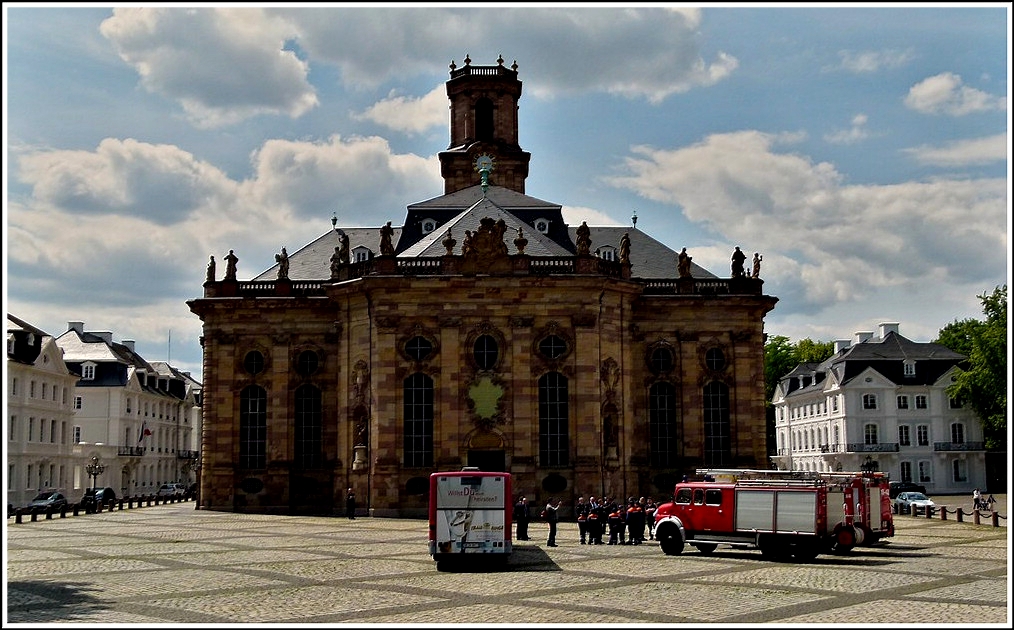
(862, 151)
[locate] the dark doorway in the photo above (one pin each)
(488, 461)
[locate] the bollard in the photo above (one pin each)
(995, 518)
(63, 511)
(960, 520)
(49, 512)
(929, 512)
(112, 506)
(943, 512)
(17, 516)
(121, 504)
(149, 500)
(35, 515)
(77, 506)
(975, 516)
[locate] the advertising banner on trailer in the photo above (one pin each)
(469, 513)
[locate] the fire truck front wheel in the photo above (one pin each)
(669, 539)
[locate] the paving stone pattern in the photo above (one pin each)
(179, 566)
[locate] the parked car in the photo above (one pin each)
(47, 499)
(897, 487)
(92, 497)
(181, 490)
(904, 502)
(169, 490)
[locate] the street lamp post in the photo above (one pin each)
(869, 466)
(95, 469)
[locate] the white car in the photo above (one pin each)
(904, 502)
(167, 490)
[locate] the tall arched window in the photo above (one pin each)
(253, 427)
(662, 429)
(484, 119)
(717, 444)
(554, 440)
(309, 441)
(418, 421)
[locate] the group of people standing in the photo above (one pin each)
(625, 522)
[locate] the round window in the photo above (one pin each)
(553, 347)
(253, 362)
(307, 362)
(715, 359)
(661, 360)
(418, 348)
(486, 352)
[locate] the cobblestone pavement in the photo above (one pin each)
(175, 565)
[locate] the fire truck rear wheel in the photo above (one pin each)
(670, 540)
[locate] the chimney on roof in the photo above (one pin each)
(78, 326)
(888, 327)
(129, 343)
(862, 336)
(104, 335)
(840, 344)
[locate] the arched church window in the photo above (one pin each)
(308, 427)
(253, 427)
(418, 428)
(554, 438)
(717, 442)
(662, 424)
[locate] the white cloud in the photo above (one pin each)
(945, 93)
(410, 115)
(222, 65)
(963, 152)
(574, 215)
(849, 241)
(637, 52)
(856, 133)
(869, 61)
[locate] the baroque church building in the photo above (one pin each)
(484, 331)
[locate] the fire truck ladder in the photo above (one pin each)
(753, 477)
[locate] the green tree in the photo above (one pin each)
(983, 384)
(781, 357)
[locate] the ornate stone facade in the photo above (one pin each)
(578, 374)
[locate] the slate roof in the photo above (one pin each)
(463, 210)
(887, 356)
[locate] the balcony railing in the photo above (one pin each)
(130, 451)
(185, 454)
(885, 447)
(959, 446)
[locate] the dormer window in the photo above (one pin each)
(360, 254)
(909, 368)
(88, 372)
(542, 225)
(428, 225)
(607, 252)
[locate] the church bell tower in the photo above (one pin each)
(484, 124)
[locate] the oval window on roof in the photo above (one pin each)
(542, 225)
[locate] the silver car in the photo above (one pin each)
(905, 501)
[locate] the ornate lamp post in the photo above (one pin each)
(95, 469)
(869, 466)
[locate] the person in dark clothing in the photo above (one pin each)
(581, 512)
(522, 516)
(350, 504)
(615, 525)
(552, 518)
(635, 523)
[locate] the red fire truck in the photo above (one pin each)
(782, 513)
